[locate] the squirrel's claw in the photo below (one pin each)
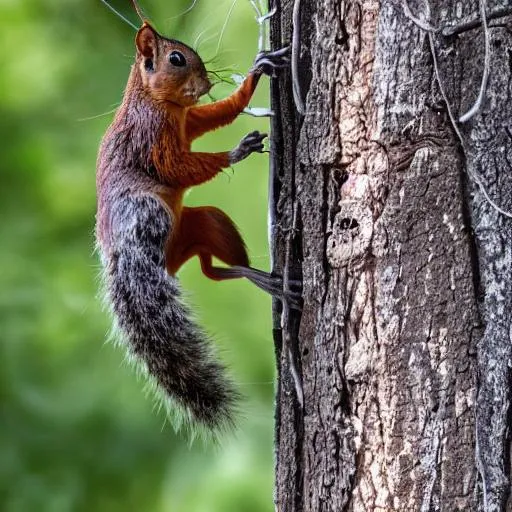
(266, 63)
(273, 284)
(270, 283)
(251, 143)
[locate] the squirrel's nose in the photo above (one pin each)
(205, 86)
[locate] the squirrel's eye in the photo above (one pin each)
(177, 59)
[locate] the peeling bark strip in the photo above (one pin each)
(404, 343)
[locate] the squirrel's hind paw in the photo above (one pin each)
(273, 284)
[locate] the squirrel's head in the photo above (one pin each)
(170, 70)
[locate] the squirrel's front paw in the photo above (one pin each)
(251, 143)
(266, 63)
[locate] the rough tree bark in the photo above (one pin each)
(403, 348)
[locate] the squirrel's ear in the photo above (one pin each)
(146, 41)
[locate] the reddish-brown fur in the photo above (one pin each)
(145, 165)
(206, 232)
(158, 119)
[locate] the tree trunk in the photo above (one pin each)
(394, 380)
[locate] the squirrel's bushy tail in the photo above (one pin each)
(157, 326)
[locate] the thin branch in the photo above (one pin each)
(259, 15)
(261, 19)
(475, 22)
(297, 94)
(473, 174)
(258, 112)
(256, 8)
(199, 40)
(115, 11)
(263, 39)
(139, 11)
(487, 64)
(428, 27)
(419, 22)
(224, 26)
(285, 315)
(186, 11)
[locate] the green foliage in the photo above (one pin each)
(77, 432)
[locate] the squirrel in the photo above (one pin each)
(144, 232)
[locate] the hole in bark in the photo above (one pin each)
(438, 107)
(329, 370)
(305, 352)
(340, 176)
(342, 38)
(347, 223)
(435, 407)
(497, 43)
(351, 233)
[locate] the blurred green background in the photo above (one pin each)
(77, 432)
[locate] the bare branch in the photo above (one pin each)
(487, 64)
(262, 19)
(473, 174)
(285, 315)
(297, 95)
(186, 11)
(474, 22)
(224, 26)
(419, 22)
(115, 11)
(139, 11)
(258, 112)
(431, 30)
